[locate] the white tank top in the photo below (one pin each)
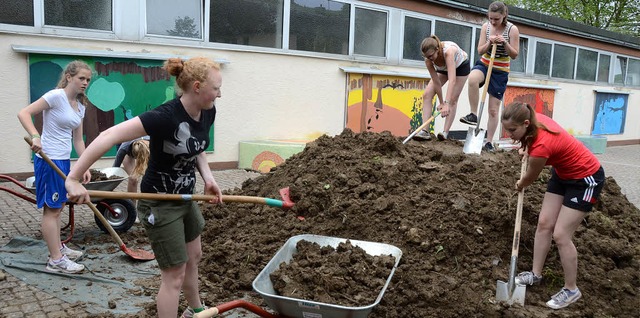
(458, 58)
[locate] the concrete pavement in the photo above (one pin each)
(20, 217)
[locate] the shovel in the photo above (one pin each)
(141, 255)
(511, 292)
(420, 128)
(285, 203)
(475, 136)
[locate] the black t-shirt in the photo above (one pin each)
(175, 142)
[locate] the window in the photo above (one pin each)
(587, 65)
(474, 54)
(168, 17)
(543, 59)
(619, 70)
(18, 12)
(603, 68)
(96, 14)
(564, 60)
(633, 73)
(459, 34)
(319, 26)
(520, 63)
(415, 30)
(370, 32)
(247, 22)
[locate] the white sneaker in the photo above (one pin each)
(70, 253)
(64, 265)
(422, 135)
(564, 298)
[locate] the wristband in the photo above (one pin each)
(34, 136)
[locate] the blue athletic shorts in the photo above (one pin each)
(497, 82)
(50, 188)
(579, 194)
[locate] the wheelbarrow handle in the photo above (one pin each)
(188, 197)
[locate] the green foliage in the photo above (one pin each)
(184, 27)
(621, 16)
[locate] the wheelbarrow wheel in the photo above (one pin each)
(121, 218)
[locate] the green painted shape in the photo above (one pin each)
(105, 95)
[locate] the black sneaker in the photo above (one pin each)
(470, 119)
(441, 137)
(489, 147)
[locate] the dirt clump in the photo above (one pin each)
(451, 214)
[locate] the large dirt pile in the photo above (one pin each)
(451, 214)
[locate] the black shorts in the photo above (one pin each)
(579, 194)
(463, 70)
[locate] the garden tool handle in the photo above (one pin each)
(421, 127)
(516, 231)
(486, 85)
(89, 203)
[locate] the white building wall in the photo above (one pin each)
(266, 96)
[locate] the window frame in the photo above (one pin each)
(170, 38)
(414, 15)
(78, 32)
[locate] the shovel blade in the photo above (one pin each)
(474, 141)
(510, 297)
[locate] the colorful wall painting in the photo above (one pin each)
(610, 113)
(378, 103)
(541, 99)
(120, 89)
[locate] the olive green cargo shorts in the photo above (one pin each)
(170, 225)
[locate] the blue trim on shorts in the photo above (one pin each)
(497, 82)
(49, 185)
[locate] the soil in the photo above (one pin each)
(451, 214)
(97, 175)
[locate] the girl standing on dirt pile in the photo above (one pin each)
(62, 111)
(507, 37)
(445, 61)
(574, 187)
(179, 134)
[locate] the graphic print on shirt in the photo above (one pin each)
(183, 149)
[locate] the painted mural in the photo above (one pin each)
(120, 89)
(610, 113)
(541, 100)
(378, 103)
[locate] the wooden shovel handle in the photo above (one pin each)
(187, 197)
(516, 231)
(487, 79)
(93, 208)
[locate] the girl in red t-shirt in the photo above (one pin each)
(576, 181)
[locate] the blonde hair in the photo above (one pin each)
(431, 43)
(500, 7)
(140, 152)
(189, 71)
(517, 113)
(72, 69)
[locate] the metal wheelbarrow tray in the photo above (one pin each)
(300, 308)
(104, 185)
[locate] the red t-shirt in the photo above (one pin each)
(569, 157)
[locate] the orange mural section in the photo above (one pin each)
(541, 99)
(378, 103)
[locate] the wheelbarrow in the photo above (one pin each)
(120, 213)
(301, 308)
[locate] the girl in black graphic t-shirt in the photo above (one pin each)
(179, 134)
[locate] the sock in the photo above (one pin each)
(56, 262)
(199, 309)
